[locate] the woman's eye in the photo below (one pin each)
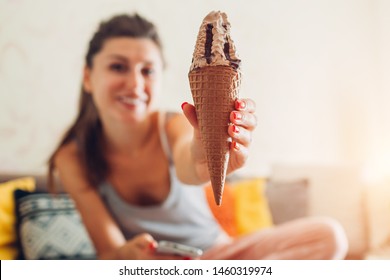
(118, 67)
(148, 71)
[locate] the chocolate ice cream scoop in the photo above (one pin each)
(214, 45)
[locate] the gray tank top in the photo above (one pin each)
(184, 216)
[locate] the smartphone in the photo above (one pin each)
(169, 247)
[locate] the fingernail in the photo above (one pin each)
(237, 116)
(235, 129)
(240, 104)
(236, 146)
(152, 246)
(182, 105)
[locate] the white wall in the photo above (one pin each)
(317, 70)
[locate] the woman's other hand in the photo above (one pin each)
(143, 247)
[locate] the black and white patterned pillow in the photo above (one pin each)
(50, 227)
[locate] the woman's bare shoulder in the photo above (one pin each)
(70, 168)
(67, 153)
(169, 115)
(176, 126)
(176, 121)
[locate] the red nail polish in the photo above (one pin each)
(237, 116)
(236, 146)
(187, 258)
(182, 105)
(240, 104)
(152, 246)
(235, 129)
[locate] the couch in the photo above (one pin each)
(40, 218)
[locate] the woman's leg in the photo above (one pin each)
(307, 238)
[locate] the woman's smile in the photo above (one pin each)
(132, 103)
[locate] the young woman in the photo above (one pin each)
(135, 174)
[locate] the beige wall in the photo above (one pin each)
(318, 71)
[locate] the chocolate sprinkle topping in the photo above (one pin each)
(209, 42)
(226, 48)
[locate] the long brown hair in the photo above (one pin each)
(86, 130)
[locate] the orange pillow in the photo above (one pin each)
(225, 213)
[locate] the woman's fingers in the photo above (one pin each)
(238, 155)
(144, 241)
(243, 122)
(245, 104)
(244, 115)
(190, 114)
(240, 135)
(147, 246)
(244, 119)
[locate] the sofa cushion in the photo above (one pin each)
(252, 210)
(244, 207)
(224, 213)
(50, 227)
(288, 200)
(8, 240)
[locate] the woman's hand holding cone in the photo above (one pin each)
(243, 122)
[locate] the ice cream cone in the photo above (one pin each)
(214, 90)
(215, 80)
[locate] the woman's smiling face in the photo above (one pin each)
(125, 78)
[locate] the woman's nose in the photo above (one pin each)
(135, 81)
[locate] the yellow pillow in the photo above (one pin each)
(8, 234)
(251, 206)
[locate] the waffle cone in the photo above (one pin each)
(214, 91)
